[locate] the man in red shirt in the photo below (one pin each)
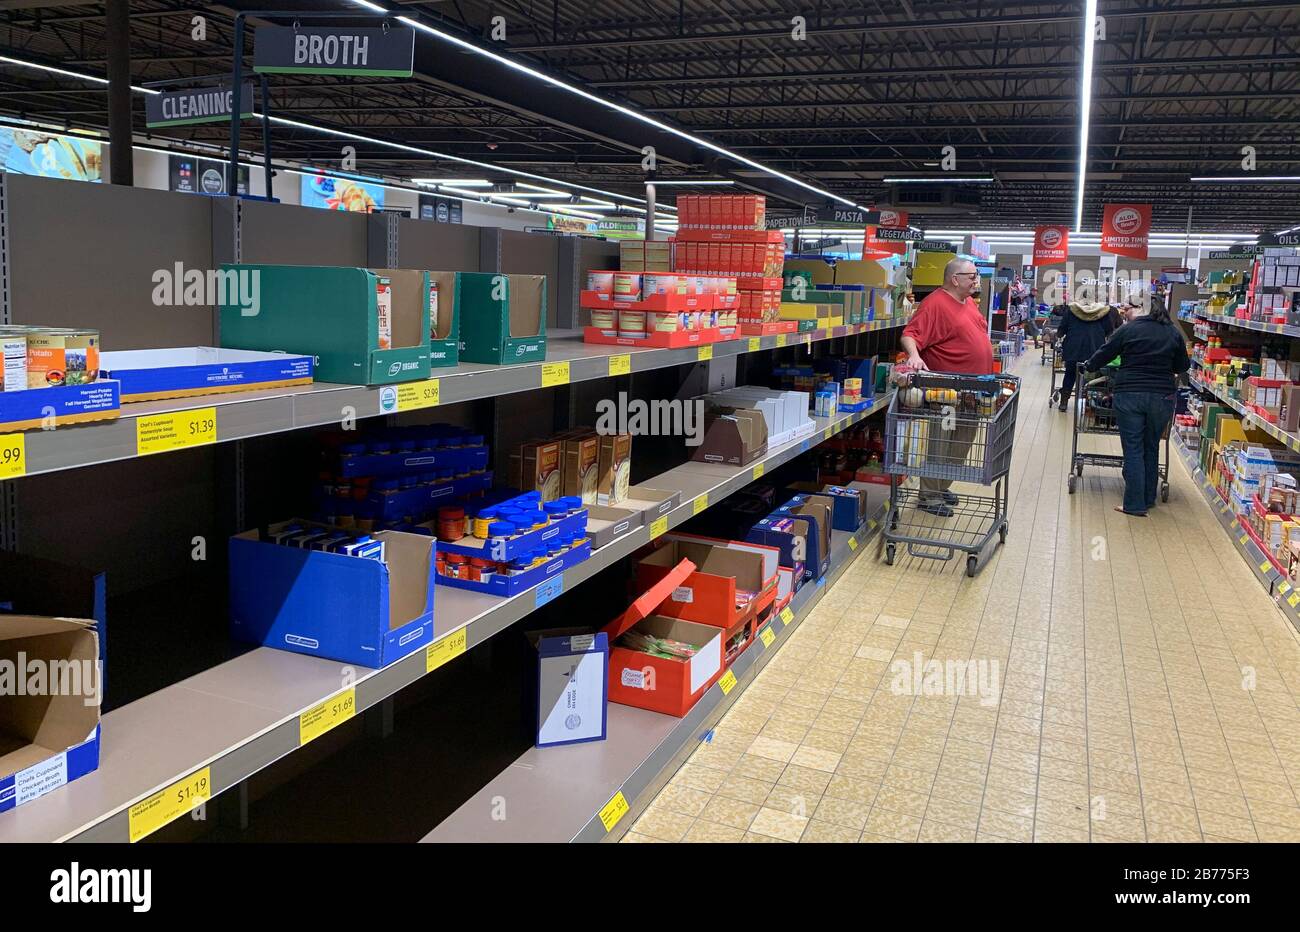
(949, 334)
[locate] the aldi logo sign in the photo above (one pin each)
(1125, 230)
(324, 50)
(1051, 244)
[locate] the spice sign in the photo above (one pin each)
(208, 104)
(323, 50)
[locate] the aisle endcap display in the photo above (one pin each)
(185, 372)
(50, 737)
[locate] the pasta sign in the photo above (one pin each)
(1051, 244)
(1125, 229)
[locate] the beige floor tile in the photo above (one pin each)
(793, 801)
(895, 825)
(778, 824)
(857, 789)
(816, 759)
(683, 799)
(733, 812)
(699, 778)
(1059, 834)
(759, 768)
(703, 832)
(829, 832)
(808, 779)
(896, 799)
(1006, 825)
(663, 824)
(932, 831)
(633, 838)
(753, 837)
(843, 812)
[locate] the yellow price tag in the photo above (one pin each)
(871, 524)
(1265, 566)
(444, 649)
(613, 810)
(13, 455)
(620, 365)
(766, 636)
(826, 434)
(728, 682)
(555, 373)
(658, 527)
(161, 432)
(1284, 587)
(701, 502)
(705, 353)
(755, 344)
(853, 543)
(781, 339)
(1242, 539)
(323, 716)
(758, 471)
(1293, 599)
(169, 804)
(787, 615)
(411, 396)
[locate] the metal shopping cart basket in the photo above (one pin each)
(1049, 338)
(1058, 375)
(955, 427)
(1007, 345)
(1094, 413)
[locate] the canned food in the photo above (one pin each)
(662, 321)
(627, 286)
(13, 361)
(62, 357)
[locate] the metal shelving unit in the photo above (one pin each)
(593, 792)
(1290, 441)
(241, 415)
(1256, 325)
(240, 716)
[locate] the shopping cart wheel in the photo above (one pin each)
(1002, 534)
(972, 565)
(889, 554)
(1070, 484)
(1164, 491)
(1078, 470)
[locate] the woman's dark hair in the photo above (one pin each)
(1159, 310)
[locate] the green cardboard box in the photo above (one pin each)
(332, 313)
(502, 317)
(444, 334)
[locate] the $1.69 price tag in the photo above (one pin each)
(323, 716)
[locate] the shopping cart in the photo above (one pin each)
(1049, 337)
(1007, 345)
(957, 427)
(1058, 376)
(1094, 413)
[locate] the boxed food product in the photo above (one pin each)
(59, 405)
(201, 370)
(536, 466)
(614, 469)
(734, 436)
(580, 467)
(572, 676)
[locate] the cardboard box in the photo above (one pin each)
(615, 469)
(818, 509)
(535, 466)
(59, 405)
(711, 593)
(733, 436)
(345, 608)
(1289, 419)
(580, 467)
(792, 536)
(502, 317)
(653, 503)
(604, 523)
(201, 370)
(444, 318)
(572, 674)
(49, 734)
(668, 685)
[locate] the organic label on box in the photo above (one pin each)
(705, 353)
(755, 344)
(766, 636)
(326, 715)
(446, 648)
(787, 615)
(161, 432)
(658, 526)
(620, 365)
(728, 682)
(555, 373)
(701, 502)
(13, 456)
(169, 804)
(414, 395)
(613, 810)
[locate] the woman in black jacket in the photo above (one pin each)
(1083, 329)
(1152, 356)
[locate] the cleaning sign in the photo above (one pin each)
(323, 50)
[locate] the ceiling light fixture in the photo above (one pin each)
(1085, 104)
(659, 182)
(940, 179)
(1248, 179)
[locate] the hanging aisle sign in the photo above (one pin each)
(899, 235)
(1051, 244)
(334, 50)
(1125, 229)
(208, 104)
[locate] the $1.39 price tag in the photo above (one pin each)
(13, 456)
(169, 804)
(159, 433)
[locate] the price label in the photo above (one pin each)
(787, 615)
(658, 527)
(1242, 539)
(871, 524)
(613, 810)
(412, 396)
(326, 715)
(758, 471)
(1265, 566)
(178, 430)
(446, 648)
(728, 682)
(853, 543)
(766, 636)
(781, 339)
(1293, 599)
(169, 804)
(620, 365)
(705, 353)
(13, 456)
(548, 590)
(701, 502)
(826, 434)
(755, 344)
(1284, 587)
(555, 373)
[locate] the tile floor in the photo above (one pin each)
(1133, 681)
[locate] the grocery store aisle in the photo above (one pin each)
(1140, 683)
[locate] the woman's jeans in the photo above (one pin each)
(1143, 419)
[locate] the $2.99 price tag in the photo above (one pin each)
(323, 716)
(13, 456)
(175, 431)
(169, 804)
(411, 396)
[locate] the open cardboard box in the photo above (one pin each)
(668, 685)
(709, 594)
(444, 335)
(201, 370)
(502, 317)
(732, 436)
(818, 509)
(791, 536)
(49, 730)
(605, 523)
(350, 609)
(653, 503)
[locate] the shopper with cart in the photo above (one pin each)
(1084, 328)
(1152, 357)
(949, 334)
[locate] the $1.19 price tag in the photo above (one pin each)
(169, 804)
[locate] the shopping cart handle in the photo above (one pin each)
(961, 381)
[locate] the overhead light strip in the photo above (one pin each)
(1247, 179)
(1085, 104)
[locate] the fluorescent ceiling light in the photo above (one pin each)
(659, 182)
(462, 182)
(1248, 179)
(373, 7)
(940, 179)
(70, 74)
(1085, 104)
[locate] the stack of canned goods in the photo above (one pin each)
(45, 357)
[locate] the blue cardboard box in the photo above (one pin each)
(51, 729)
(421, 500)
(201, 370)
(817, 510)
(848, 507)
(510, 549)
(351, 609)
(62, 404)
(572, 681)
(548, 575)
(790, 534)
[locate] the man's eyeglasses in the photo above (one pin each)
(970, 274)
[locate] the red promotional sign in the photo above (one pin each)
(892, 218)
(1125, 229)
(1051, 244)
(873, 248)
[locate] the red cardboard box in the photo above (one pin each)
(670, 686)
(709, 593)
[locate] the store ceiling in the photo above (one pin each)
(875, 90)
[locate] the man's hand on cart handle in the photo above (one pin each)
(916, 362)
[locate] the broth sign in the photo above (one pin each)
(311, 50)
(209, 104)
